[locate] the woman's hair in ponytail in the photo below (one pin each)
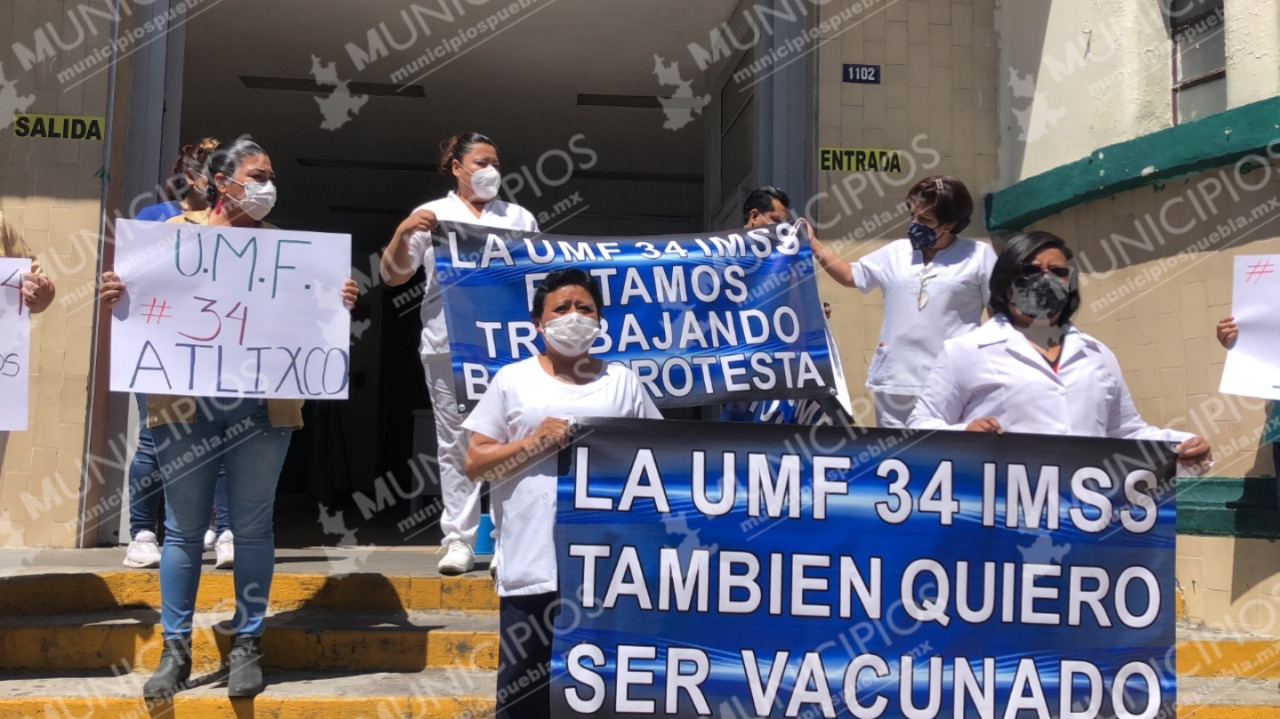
(191, 157)
(456, 147)
(225, 160)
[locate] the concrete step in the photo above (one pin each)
(1216, 653)
(66, 592)
(1228, 698)
(430, 694)
(127, 640)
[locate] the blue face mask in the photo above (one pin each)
(922, 237)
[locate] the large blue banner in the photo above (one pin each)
(736, 570)
(700, 318)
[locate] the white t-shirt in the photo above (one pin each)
(957, 282)
(496, 213)
(520, 396)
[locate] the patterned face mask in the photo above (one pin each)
(1040, 297)
(922, 237)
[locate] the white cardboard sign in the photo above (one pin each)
(230, 312)
(1253, 364)
(15, 345)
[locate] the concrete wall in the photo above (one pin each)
(1253, 50)
(1078, 76)
(50, 193)
(936, 103)
(1230, 583)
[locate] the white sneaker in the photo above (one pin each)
(458, 560)
(143, 551)
(224, 550)
(210, 537)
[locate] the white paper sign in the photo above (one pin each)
(230, 312)
(1253, 364)
(15, 345)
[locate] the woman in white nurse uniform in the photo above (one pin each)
(471, 159)
(1029, 370)
(517, 426)
(935, 287)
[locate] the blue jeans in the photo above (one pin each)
(237, 435)
(146, 490)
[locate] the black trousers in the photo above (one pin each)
(524, 656)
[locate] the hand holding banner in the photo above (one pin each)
(230, 312)
(15, 345)
(699, 318)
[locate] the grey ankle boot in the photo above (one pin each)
(245, 676)
(172, 673)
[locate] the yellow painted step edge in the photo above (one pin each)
(87, 592)
(126, 647)
(404, 707)
(1192, 711)
(1248, 659)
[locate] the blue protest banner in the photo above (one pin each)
(700, 318)
(738, 570)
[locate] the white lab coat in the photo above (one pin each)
(994, 371)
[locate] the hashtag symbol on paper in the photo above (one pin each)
(1257, 270)
(158, 312)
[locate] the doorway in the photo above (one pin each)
(351, 100)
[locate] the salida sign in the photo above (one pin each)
(58, 127)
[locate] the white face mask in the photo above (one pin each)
(259, 198)
(485, 183)
(571, 335)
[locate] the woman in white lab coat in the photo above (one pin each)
(470, 160)
(1029, 369)
(517, 426)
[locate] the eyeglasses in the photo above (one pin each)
(923, 298)
(1031, 269)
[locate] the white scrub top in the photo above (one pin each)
(994, 371)
(521, 395)
(496, 213)
(957, 282)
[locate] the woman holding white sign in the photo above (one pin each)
(248, 437)
(471, 159)
(934, 284)
(1029, 369)
(35, 287)
(519, 423)
(185, 189)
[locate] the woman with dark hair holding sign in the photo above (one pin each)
(934, 284)
(186, 190)
(519, 423)
(241, 192)
(471, 160)
(1030, 370)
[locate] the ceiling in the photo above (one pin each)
(520, 84)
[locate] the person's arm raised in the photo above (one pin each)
(397, 264)
(840, 270)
